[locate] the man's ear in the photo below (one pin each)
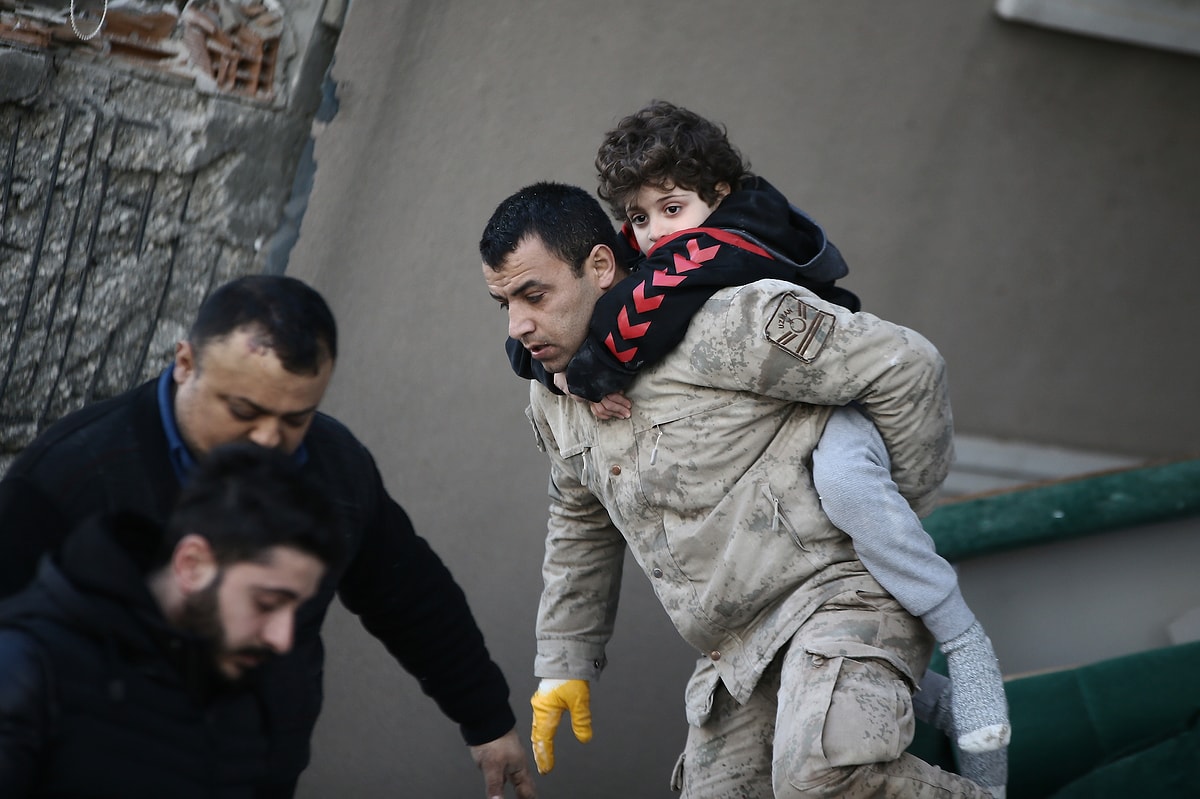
(723, 190)
(193, 564)
(185, 361)
(603, 264)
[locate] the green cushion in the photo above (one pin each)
(1128, 717)
(1122, 727)
(1169, 769)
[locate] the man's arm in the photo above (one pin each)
(582, 581)
(794, 346)
(582, 566)
(24, 713)
(407, 598)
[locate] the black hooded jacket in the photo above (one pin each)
(100, 697)
(113, 455)
(755, 233)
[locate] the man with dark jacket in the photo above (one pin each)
(126, 668)
(254, 367)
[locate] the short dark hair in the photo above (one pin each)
(289, 316)
(665, 145)
(567, 220)
(245, 499)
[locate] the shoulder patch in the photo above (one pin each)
(798, 328)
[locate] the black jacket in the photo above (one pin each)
(755, 233)
(113, 455)
(100, 697)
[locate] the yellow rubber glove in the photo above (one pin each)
(549, 701)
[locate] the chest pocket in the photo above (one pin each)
(691, 454)
(573, 438)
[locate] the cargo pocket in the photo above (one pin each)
(868, 716)
(698, 697)
(677, 773)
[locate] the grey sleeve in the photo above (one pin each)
(852, 474)
(25, 713)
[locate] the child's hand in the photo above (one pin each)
(613, 406)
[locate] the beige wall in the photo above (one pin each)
(1029, 200)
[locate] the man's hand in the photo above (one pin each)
(503, 760)
(549, 702)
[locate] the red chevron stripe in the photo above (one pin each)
(641, 302)
(700, 256)
(735, 240)
(724, 236)
(627, 330)
(624, 356)
(661, 278)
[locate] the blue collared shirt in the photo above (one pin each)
(182, 460)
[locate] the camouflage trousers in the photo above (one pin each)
(830, 717)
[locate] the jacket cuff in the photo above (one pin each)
(489, 729)
(562, 659)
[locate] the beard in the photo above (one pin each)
(201, 616)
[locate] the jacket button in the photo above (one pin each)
(615, 470)
(715, 654)
(656, 572)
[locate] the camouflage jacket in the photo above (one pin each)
(709, 485)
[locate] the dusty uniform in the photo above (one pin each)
(708, 484)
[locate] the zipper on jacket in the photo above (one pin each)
(778, 518)
(654, 452)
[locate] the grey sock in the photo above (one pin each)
(978, 704)
(988, 769)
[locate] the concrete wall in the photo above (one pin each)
(1073, 602)
(130, 186)
(1027, 199)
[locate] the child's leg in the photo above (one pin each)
(852, 474)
